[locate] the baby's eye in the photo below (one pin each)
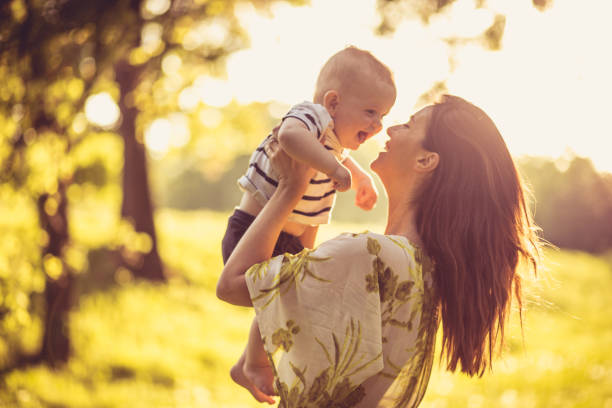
(371, 112)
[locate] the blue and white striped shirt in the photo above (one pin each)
(316, 204)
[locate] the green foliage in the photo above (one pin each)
(172, 345)
(573, 207)
(562, 362)
(21, 275)
(192, 232)
(186, 180)
(142, 345)
(393, 12)
(97, 160)
(203, 173)
(54, 55)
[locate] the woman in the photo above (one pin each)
(353, 322)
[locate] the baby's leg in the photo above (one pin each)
(253, 370)
(257, 366)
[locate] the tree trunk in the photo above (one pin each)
(58, 289)
(136, 206)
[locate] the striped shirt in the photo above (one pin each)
(316, 204)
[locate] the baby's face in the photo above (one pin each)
(359, 112)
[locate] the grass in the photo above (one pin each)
(144, 345)
(564, 360)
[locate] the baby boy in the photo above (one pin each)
(354, 90)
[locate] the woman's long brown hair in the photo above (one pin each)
(475, 224)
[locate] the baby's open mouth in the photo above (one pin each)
(363, 136)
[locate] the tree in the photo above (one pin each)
(53, 57)
(573, 207)
(40, 54)
(141, 62)
(393, 12)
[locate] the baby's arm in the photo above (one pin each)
(367, 195)
(295, 139)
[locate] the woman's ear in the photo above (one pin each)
(427, 161)
(331, 100)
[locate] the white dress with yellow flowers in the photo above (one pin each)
(351, 323)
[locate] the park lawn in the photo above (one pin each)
(145, 345)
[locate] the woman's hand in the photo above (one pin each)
(257, 244)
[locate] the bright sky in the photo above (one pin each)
(548, 89)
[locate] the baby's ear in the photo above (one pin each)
(331, 100)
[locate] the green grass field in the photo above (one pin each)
(142, 345)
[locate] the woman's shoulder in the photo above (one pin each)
(369, 243)
(369, 236)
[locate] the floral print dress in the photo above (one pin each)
(351, 323)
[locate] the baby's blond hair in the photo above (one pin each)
(349, 67)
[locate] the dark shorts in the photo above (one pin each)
(237, 225)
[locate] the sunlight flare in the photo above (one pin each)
(157, 136)
(101, 110)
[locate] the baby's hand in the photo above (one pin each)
(341, 178)
(367, 195)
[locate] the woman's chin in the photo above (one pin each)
(375, 163)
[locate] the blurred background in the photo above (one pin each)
(124, 125)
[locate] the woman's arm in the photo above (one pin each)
(258, 242)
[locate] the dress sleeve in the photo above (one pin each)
(320, 324)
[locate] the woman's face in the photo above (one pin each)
(404, 147)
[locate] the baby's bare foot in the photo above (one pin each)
(262, 376)
(239, 376)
